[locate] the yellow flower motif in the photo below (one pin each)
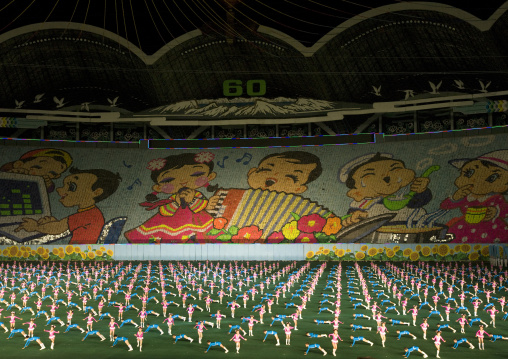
(290, 231)
(34, 253)
(466, 248)
(334, 248)
(40, 250)
(83, 255)
(418, 248)
(321, 248)
(348, 250)
(45, 256)
(28, 249)
(380, 250)
(452, 252)
(477, 247)
(13, 251)
(485, 251)
(372, 251)
(340, 252)
(77, 249)
(326, 251)
(364, 247)
(473, 256)
(443, 250)
(359, 255)
(55, 251)
(26, 254)
(21, 249)
(98, 253)
(310, 254)
(61, 255)
(396, 249)
(407, 252)
(434, 250)
(91, 255)
(89, 248)
(69, 249)
(457, 248)
(318, 253)
(109, 252)
(102, 249)
(414, 256)
(390, 253)
(426, 251)
(5, 252)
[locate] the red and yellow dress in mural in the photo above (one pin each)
(175, 223)
(472, 227)
(481, 187)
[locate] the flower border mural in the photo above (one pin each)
(302, 251)
(57, 253)
(418, 252)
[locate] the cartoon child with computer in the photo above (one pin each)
(48, 163)
(82, 189)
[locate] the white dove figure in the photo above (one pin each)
(59, 102)
(435, 88)
(459, 84)
(113, 102)
(484, 86)
(409, 93)
(85, 106)
(38, 98)
(377, 90)
(19, 104)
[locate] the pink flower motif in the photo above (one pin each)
(311, 223)
(204, 157)
(156, 164)
(275, 237)
(306, 238)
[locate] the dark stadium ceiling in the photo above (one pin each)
(150, 24)
(196, 60)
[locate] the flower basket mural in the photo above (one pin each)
(312, 228)
(364, 252)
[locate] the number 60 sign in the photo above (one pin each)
(233, 88)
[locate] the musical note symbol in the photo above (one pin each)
(245, 155)
(137, 181)
(221, 165)
(126, 165)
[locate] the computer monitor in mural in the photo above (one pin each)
(21, 196)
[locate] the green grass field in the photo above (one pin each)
(70, 345)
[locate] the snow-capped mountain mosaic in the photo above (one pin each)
(247, 107)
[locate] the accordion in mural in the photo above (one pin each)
(268, 210)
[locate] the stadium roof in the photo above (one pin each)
(250, 60)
